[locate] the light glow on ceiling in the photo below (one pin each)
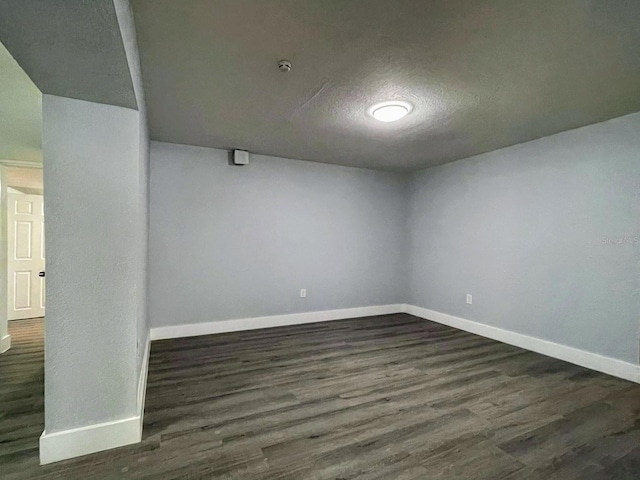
(390, 111)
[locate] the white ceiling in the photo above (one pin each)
(481, 74)
(20, 113)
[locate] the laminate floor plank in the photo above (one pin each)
(387, 397)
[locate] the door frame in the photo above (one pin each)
(36, 248)
(5, 337)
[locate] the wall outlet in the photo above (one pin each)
(469, 298)
(303, 293)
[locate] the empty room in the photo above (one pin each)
(320, 239)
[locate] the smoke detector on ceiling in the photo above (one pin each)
(284, 66)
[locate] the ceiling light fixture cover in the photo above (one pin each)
(390, 111)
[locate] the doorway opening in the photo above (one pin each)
(25, 244)
(22, 258)
(21, 199)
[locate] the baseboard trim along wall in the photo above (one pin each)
(5, 343)
(593, 361)
(583, 358)
(142, 381)
(225, 326)
(81, 441)
(90, 439)
(95, 438)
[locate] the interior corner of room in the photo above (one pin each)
(370, 237)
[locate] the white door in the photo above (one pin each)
(26, 283)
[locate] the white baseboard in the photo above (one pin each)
(90, 439)
(142, 380)
(5, 343)
(76, 442)
(225, 326)
(593, 361)
(95, 438)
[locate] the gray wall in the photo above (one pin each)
(544, 235)
(95, 270)
(233, 242)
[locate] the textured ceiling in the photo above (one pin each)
(20, 113)
(70, 48)
(481, 74)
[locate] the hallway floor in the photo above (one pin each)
(22, 396)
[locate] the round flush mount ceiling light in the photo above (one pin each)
(390, 111)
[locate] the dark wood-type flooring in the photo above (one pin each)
(389, 397)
